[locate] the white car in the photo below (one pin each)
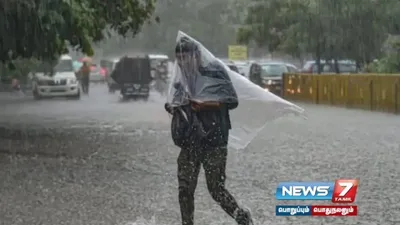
(62, 84)
(95, 74)
(243, 67)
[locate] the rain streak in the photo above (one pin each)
(192, 112)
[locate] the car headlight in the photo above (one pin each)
(72, 81)
(42, 82)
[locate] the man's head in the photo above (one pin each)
(187, 54)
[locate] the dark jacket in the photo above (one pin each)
(204, 128)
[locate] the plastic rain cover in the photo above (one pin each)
(198, 76)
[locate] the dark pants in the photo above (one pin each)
(214, 163)
(85, 85)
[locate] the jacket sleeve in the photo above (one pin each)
(229, 88)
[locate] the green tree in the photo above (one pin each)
(211, 22)
(43, 29)
(390, 62)
(328, 29)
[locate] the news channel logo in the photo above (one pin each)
(340, 191)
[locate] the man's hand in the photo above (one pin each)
(169, 108)
(195, 106)
(209, 105)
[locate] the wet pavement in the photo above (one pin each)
(100, 161)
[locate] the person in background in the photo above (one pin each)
(84, 74)
(201, 130)
(15, 84)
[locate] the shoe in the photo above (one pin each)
(244, 217)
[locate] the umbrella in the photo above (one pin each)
(86, 59)
(77, 65)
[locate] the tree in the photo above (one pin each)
(329, 29)
(264, 24)
(44, 29)
(390, 62)
(211, 22)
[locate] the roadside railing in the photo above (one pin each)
(376, 92)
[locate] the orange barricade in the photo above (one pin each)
(376, 92)
(300, 87)
(359, 92)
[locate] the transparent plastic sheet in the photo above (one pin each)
(198, 76)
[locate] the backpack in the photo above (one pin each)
(186, 129)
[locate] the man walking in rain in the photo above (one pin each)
(201, 130)
(84, 74)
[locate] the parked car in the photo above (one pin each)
(269, 75)
(345, 66)
(57, 81)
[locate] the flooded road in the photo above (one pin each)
(101, 161)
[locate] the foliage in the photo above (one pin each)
(390, 62)
(330, 29)
(211, 22)
(20, 68)
(43, 29)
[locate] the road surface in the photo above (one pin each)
(100, 161)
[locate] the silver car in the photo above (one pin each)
(95, 75)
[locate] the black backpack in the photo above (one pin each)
(186, 129)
